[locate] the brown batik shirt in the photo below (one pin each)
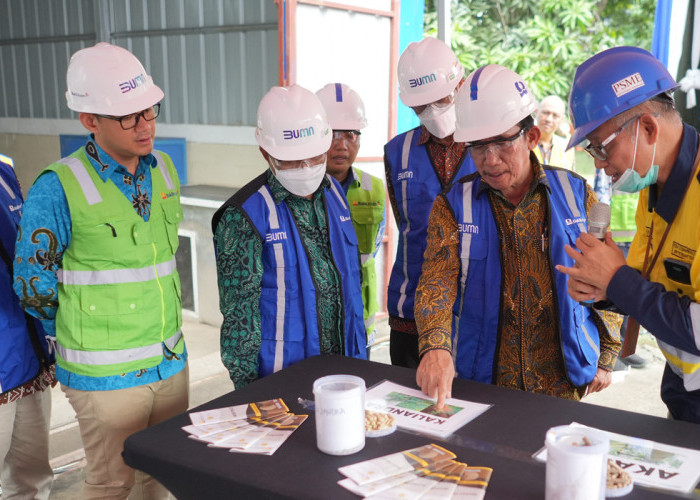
(528, 355)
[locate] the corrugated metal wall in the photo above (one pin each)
(214, 59)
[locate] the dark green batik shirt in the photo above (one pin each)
(240, 270)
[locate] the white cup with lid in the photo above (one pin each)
(340, 414)
(577, 463)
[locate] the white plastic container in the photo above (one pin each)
(340, 414)
(577, 463)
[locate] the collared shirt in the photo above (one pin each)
(529, 353)
(240, 271)
(445, 159)
(45, 234)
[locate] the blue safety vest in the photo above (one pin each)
(478, 305)
(23, 352)
(416, 184)
(289, 320)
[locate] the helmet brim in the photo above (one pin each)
(150, 97)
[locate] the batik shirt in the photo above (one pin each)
(528, 353)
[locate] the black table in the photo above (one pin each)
(503, 438)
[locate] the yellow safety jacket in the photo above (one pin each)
(680, 249)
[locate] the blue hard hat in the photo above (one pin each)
(611, 82)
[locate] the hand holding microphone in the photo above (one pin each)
(599, 220)
(598, 223)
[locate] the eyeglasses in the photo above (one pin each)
(439, 104)
(599, 152)
(499, 146)
(350, 136)
(292, 164)
(130, 121)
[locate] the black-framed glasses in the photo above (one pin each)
(351, 136)
(130, 121)
(499, 145)
(599, 152)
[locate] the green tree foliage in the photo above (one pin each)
(543, 40)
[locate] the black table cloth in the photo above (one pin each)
(503, 438)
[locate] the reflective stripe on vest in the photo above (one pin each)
(365, 180)
(369, 321)
(695, 321)
(404, 235)
(623, 234)
(570, 198)
(121, 356)
(281, 288)
(90, 191)
(7, 188)
(113, 276)
(682, 363)
(340, 197)
(571, 202)
(163, 170)
(466, 249)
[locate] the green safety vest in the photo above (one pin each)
(366, 201)
(118, 286)
(623, 208)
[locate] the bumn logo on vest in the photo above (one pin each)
(130, 85)
(417, 82)
(468, 228)
(296, 134)
(405, 175)
(344, 219)
(276, 236)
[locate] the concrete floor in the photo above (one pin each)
(636, 390)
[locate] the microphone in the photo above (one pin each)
(598, 223)
(599, 220)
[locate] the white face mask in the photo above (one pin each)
(440, 121)
(301, 181)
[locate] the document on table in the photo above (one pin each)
(428, 472)
(414, 411)
(259, 428)
(262, 409)
(650, 463)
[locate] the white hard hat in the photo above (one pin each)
(109, 80)
(428, 71)
(492, 100)
(292, 124)
(344, 107)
